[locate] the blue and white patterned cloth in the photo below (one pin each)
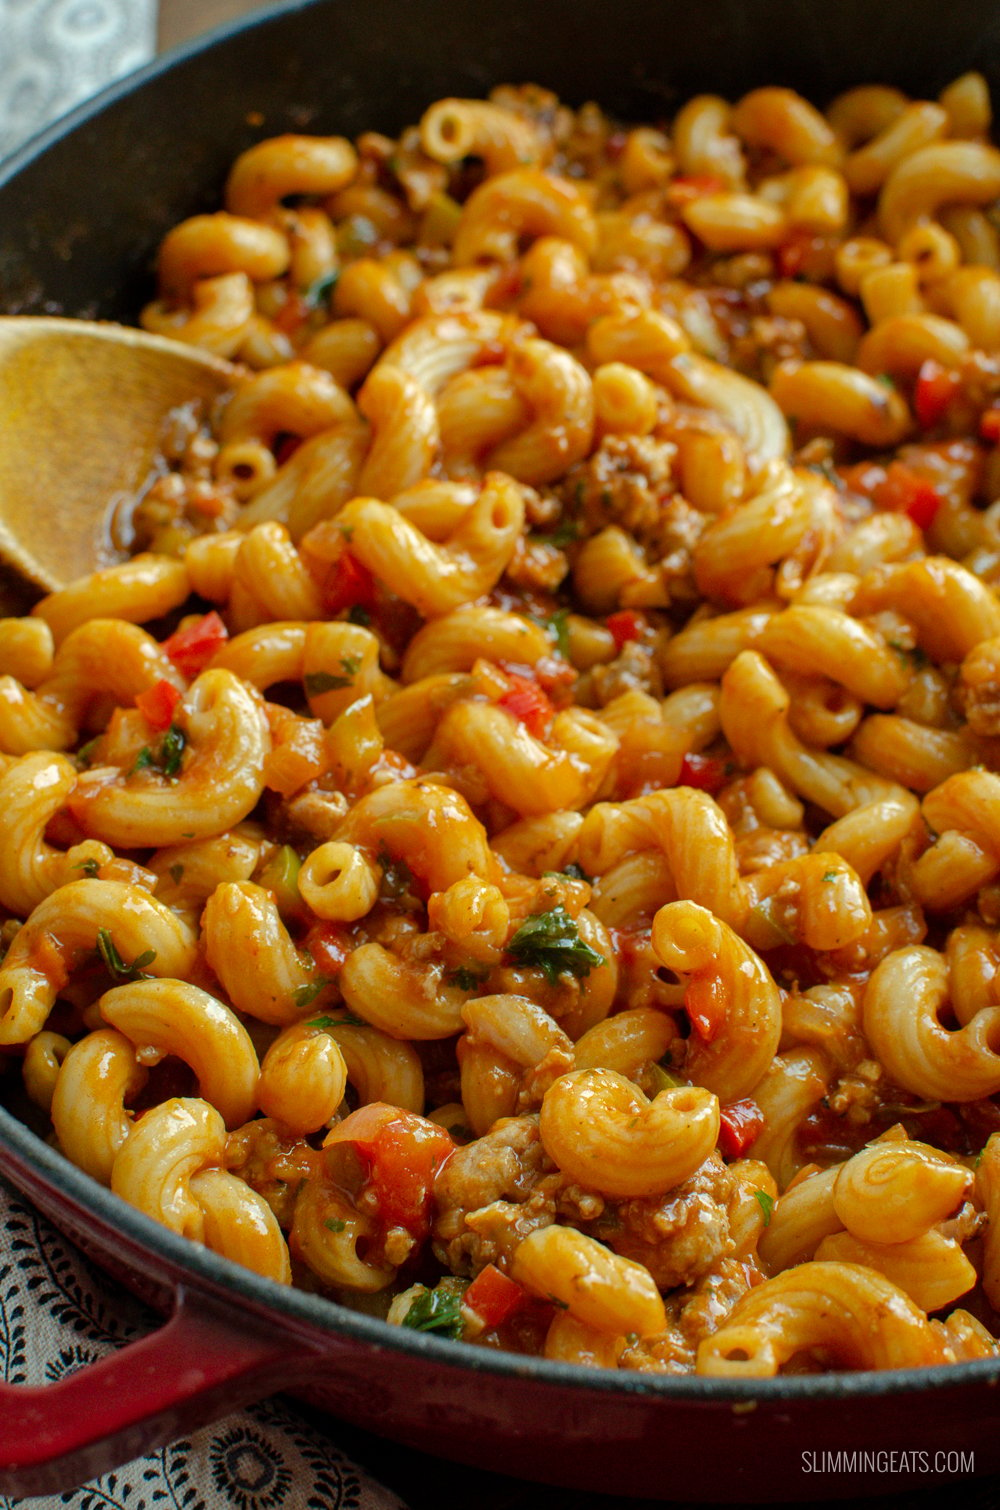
(57, 1313)
(55, 53)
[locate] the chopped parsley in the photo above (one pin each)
(89, 867)
(318, 682)
(320, 290)
(555, 624)
(334, 1224)
(766, 1204)
(572, 869)
(565, 531)
(86, 752)
(167, 759)
(304, 996)
(551, 942)
(913, 653)
(887, 380)
(397, 877)
(466, 979)
(176, 873)
(830, 875)
(346, 1020)
(438, 1310)
(116, 966)
(359, 615)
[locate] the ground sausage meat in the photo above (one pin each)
(680, 1235)
(490, 1195)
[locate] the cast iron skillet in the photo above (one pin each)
(81, 212)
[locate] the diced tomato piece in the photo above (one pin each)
(625, 625)
(528, 703)
(157, 704)
(907, 491)
(936, 387)
(989, 426)
(740, 1122)
(493, 1296)
(405, 1153)
(615, 145)
(706, 772)
(192, 647)
(348, 585)
(705, 1004)
(327, 946)
(683, 190)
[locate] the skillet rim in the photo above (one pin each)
(78, 1190)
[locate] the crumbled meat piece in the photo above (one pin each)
(636, 668)
(978, 689)
(771, 339)
(495, 1191)
(678, 1235)
(627, 481)
(272, 1161)
(692, 1315)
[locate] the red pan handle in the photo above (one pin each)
(198, 1366)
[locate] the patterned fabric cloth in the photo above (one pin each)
(55, 53)
(58, 1313)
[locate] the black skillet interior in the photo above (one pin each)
(80, 220)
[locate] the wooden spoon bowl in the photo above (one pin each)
(82, 414)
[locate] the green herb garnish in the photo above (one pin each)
(829, 875)
(116, 966)
(359, 615)
(89, 867)
(397, 877)
(565, 531)
(334, 1224)
(345, 1020)
(304, 996)
(551, 942)
(572, 869)
(466, 979)
(438, 1310)
(318, 682)
(766, 1204)
(176, 873)
(167, 759)
(320, 290)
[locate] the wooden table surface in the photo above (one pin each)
(425, 1483)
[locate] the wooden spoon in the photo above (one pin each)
(82, 411)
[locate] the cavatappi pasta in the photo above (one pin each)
(515, 843)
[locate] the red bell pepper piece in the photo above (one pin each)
(705, 1004)
(907, 491)
(706, 772)
(348, 585)
(936, 387)
(192, 647)
(493, 1296)
(625, 625)
(528, 703)
(157, 704)
(740, 1123)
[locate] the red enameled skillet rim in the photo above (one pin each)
(76, 1193)
(76, 1190)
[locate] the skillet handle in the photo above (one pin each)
(200, 1365)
